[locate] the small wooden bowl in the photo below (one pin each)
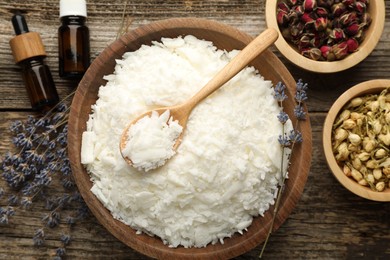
(224, 37)
(368, 87)
(372, 35)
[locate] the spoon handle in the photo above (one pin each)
(251, 51)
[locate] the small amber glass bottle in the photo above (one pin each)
(73, 39)
(29, 52)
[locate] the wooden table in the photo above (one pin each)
(329, 222)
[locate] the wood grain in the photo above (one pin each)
(328, 222)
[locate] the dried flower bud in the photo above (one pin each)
(348, 18)
(355, 116)
(340, 50)
(337, 35)
(282, 17)
(338, 9)
(346, 170)
(360, 7)
(325, 49)
(312, 53)
(356, 163)
(349, 3)
(355, 102)
(370, 178)
(353, 148)
(322, 12)
(380, 153)
(340, 134)
(366, 19)
(386, 171)
(325, 3)
(364, 156)
(356, 174)
(292, 2)
(353, 45)
(372, 164)
(385, 138)
(296, 30)
(309, 5)
(363, 182)
(343, 152)
(369, 145)
(304, 42)
(376, 126)
(387, 118)
(284, 7)
(344, 115)
(377, 173)
(354, 139)
(374, 106)
(307, 19)
(321, 24)
(352, 29)
(380, 186)
(298, 9)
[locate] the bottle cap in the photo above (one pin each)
(73, 7)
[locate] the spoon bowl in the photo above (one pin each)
(182, 111)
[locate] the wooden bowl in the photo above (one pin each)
(368, 87)
(224, 37)
(372, 35)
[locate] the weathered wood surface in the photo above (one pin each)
(328, 222)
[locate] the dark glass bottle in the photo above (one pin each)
(73, 40)
(29, 53)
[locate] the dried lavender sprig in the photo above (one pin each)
(287, 141)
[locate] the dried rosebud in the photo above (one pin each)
(352, 29)
(298, 9)
(365, 1)
(292, 2)
(296, 30)
(309, 5)
(366, 19)
(360, 7)
(312, 53)
(286, 33)
(321, 24)
(325, 49)
(353, 45)
(349, 3)
(316, 41)
(322, 12)
(304, 42)
(325, 3)
(282, 17)
(307, 19)
(284, 7)
(338, 9)
(337, 35)
(348, 18)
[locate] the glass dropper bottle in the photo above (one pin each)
(29, 52)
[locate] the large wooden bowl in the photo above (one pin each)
(364, 88)
(224, 37)
(372, 35)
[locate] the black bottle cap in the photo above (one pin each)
(19, 24)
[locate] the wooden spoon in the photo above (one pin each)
(182, 111)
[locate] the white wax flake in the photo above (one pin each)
(227, 167)
(150, 141)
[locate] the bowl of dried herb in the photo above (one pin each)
(326, 36)
(356, 139)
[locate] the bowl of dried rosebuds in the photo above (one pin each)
(356, 139)
(326, 36)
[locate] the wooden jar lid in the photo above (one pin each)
(27, 45)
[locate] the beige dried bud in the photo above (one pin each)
(355, 116)
(385, 138)
(344, 115)
(349, 124)
(374, 106)
(359, 122)
(363, 182)
(354, 139)
(380, 186)
(355, 102)
(343, 152)
(387, 118)
(380, 153)
(364, 156)
(356, 175)
(353, 148)
(372, 164)
(356, 163)
(386, 171)
(370, 178)
(376, 126)
(377, 173)
(346, 170)
(369, 145)
(382, 102)
(340, 134)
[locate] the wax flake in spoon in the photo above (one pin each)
(150, 141)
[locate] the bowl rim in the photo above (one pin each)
(368, 45)
(144, 243)
(367, 87)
